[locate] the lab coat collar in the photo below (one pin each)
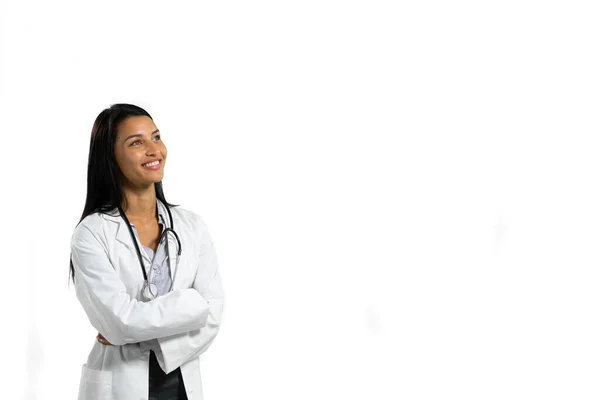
(124, 237)
(123, 234)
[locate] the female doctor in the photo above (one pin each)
(145, 271)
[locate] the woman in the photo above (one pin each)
(145, 271)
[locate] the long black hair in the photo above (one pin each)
(104, 178)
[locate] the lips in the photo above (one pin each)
(151, 163)
(154, 164)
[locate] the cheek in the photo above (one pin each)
(126, 161)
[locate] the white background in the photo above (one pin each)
(403, 195)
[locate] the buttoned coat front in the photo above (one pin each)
(179, 325)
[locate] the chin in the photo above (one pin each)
(150, 180)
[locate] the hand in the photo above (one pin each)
(103, 340)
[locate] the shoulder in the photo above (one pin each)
(192, 225)
(89, 223)
(187, 218)
(91, 227)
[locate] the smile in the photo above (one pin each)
(152, 164)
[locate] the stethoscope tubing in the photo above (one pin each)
(147, 283)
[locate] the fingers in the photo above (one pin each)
(102, 340)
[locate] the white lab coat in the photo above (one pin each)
(179, 325)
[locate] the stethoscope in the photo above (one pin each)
(150, 290)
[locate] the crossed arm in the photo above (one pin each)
(184, 321)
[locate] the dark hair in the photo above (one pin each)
(104, 190)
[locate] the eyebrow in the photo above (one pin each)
(137, 135)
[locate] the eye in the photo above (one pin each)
(135, 142)
(157, 137)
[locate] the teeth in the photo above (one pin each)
(151, 164)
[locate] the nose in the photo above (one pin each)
(152, 148)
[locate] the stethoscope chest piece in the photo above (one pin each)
(149, 291)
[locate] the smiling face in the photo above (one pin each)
(139, 152)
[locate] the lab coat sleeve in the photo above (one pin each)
(120, 318)
(178, 349)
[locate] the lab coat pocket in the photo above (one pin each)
(95, 385)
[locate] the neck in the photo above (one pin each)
(140, 204)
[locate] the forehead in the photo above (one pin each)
(134, 125)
